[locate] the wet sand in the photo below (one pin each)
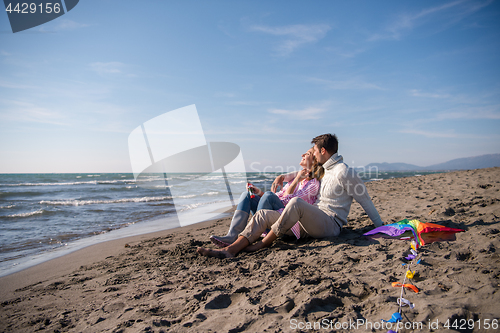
(157, 282)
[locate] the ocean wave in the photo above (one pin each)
(119, 181)
(198, 204)
(162, 186)
(28, 214)
(187, 196)
(257, 180)
(76, 202)
(89, 182)
(7, 207)
(144, 178)
(213, 177)
(93, 182)
(21, 194)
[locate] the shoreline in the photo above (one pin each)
(159, 283)
(205, 213)
(88, 255)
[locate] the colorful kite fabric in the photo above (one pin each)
(424, 233)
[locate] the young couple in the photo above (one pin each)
(303, 215)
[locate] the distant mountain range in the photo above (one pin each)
(467, 163)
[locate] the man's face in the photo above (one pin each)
(319, 157)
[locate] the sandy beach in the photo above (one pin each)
(158, 283)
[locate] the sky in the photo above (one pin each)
(397, 81)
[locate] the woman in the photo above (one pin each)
(305, 185)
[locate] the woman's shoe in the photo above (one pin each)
(238, 224)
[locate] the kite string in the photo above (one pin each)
(400, 303)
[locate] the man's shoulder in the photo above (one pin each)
(340, 169)
(344, 173)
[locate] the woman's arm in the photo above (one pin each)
(308, 192)
(278, 181)
(302, 174)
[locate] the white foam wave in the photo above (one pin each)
(128, 181)
(90, 182)
(144, 179)
(76, 202)
(215, 177)
(184, 196)
(40, 211)
(160, 186)
(7, 207)
(52, 184)
(95, 202)
(199, 204)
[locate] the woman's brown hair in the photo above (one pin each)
(317, 170)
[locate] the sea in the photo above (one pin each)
(43, 216)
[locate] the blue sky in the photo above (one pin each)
(397, 81)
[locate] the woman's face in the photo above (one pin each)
(307, 160)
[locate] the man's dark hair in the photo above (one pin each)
(327, 141)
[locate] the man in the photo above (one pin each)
(325, 218)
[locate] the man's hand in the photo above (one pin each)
(278, 182)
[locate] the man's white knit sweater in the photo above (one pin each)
(339, 186)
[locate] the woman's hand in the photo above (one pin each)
(278, 182)
(304, 173)
(254, 190)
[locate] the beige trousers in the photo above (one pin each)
(313, 221)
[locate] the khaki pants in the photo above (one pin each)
(313, 221)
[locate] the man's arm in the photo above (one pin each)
(356, 188)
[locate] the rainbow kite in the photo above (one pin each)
(423, 233)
